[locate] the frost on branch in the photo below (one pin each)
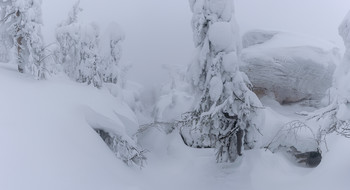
(129, 153)
(116, 133)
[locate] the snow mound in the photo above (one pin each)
(290, 67)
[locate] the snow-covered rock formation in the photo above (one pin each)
(292, 68)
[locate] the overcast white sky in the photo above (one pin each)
(158, 31)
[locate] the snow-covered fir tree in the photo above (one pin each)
(83, 56)
(90, 59)
(79, 49)
(23, 18)
(67, 36)
(112, 53)
(226, 111)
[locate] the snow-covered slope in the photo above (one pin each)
(288, 66)
(46, 135)
(47, 142)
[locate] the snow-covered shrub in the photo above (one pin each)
(226, 110)
(23, 18)
(298, 140)
(296, 134)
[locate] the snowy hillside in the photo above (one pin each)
(46, 139)
(55, 147)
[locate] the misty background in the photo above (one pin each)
(158, 31)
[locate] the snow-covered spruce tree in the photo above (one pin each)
(226, 112)
(90, 59)
(336, 117)
(79, 49)
(67, 36)
(23, 18)
(112, 53)
(81, 54)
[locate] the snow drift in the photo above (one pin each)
(48, 138)
(290, 67)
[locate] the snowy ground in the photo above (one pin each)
(46, 142)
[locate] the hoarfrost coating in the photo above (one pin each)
(59, 134)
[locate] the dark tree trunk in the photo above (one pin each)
(19, 47)
(239, 135)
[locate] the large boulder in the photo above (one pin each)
(290, 67)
